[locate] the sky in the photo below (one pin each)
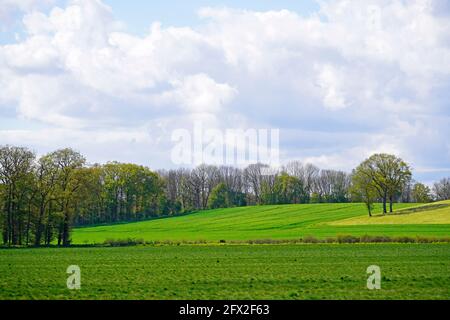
(340, 80)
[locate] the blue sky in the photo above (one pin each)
(138, 14)
(341, 80)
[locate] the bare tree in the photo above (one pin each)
(441, 189)
(253, 177)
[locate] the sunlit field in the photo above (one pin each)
(409, 271)
(277, 222)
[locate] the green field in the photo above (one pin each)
(409, 271)
(238, 271)
(277, 222)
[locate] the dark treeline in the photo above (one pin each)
(42, 199)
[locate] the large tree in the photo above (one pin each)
(46, 173)
(16, 167)
(421, 193)
(70, 179)
(388, 175)
(362, 189)
(219, 197)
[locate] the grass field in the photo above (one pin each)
(425, 214)
(277, 222)
(225, 271)
(409, 271)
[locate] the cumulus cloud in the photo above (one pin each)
(354, 78)
(199, 94)
(10, 8)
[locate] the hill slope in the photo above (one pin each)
(433, 213)
(267, 222)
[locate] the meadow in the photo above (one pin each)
(409, 271)
(215, 269)
(279, 222)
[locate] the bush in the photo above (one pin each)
(307, 239)
(348, 239)
(404, 240)
(311, 239)
(124, 242)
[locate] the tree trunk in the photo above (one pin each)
(9, 219)
(391, 204)
(65, 233)
(39, 227)
(65, 227)
(28, 225)
(48, 226)
(5, 230)
(384, 203)
(59, 234)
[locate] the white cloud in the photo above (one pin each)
(9, 8)
(376, 72)
(199, 94)
(330, 82)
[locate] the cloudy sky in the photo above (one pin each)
(340, 79)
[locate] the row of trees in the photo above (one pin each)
(41, 199)
(216, 187)
(382, 176)
(388, 179)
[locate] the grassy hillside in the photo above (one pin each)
(409, 271)
(271, 222)
(434, 213)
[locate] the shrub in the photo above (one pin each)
(310, 239)
(124, 242)
(404, 240)
(425, 239)
(348, 239)
(375, 239)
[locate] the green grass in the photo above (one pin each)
(435, 213)
(213, 271)
(268, 222)
(409, 271)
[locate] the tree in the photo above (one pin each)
(288, 190)
(398, 175)
(253, 177)
(219, 197)
(70, 178)
(16, 167)
(306, 175)
(421, 193)
(363, 189)
(441, 189)
(46, 177)
(331, 186)
(388, 175)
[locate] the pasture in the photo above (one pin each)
(277, 222)
(409, 271)
(237, 271)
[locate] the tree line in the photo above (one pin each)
(41, 199)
